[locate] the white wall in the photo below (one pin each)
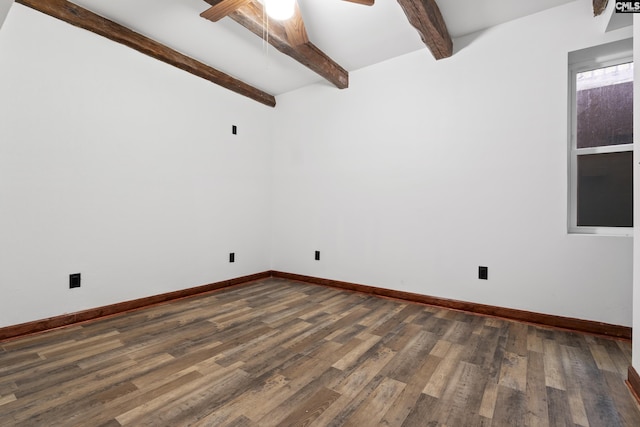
(5, 5)
(122, 168)
(636, 198)
(422, 171)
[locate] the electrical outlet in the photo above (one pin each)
(317, 255)
(483, 273)
(232, 257)
(74, 280)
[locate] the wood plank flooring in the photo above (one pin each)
(281, 353)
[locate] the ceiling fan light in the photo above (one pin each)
(280, 10)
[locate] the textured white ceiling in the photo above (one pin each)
(353, 35)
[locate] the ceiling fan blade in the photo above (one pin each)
(364, 2)
(222, 9)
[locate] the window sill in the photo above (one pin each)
(601, 231)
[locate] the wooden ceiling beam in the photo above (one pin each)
(289, 41)
(222, 9)
(295, 29)
(425, 16)
(82, 18)
(599, 6)
(364, 2)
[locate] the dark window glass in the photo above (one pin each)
(605, 189)
(604, 101)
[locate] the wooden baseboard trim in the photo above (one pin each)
(578, 325)
(633, 382)
(29, 328)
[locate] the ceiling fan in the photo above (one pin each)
(276, 9)
(286, 12)
(284, 9)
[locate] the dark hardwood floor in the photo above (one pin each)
(285, 353)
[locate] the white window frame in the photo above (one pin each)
(574, 69)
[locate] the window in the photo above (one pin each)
(601, 147)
